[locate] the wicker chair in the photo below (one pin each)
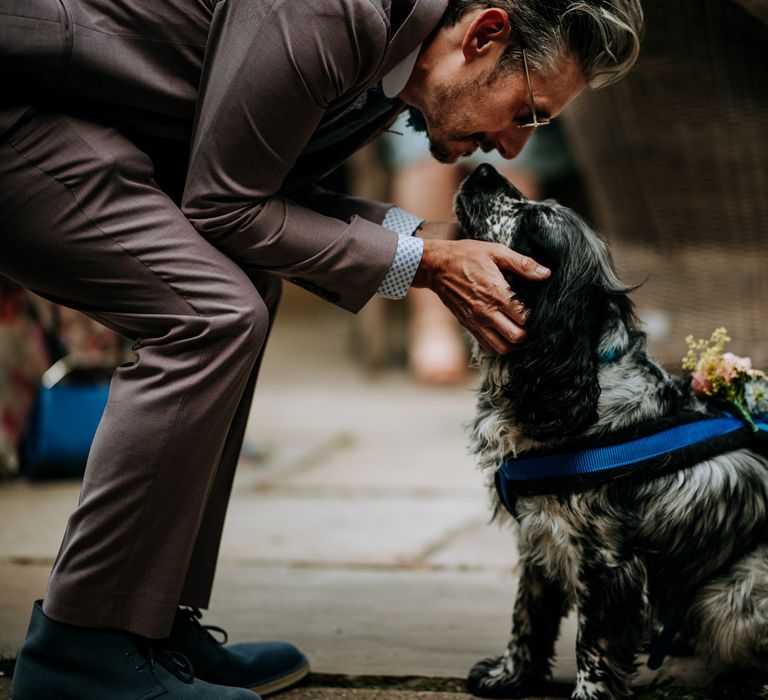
(675, 159)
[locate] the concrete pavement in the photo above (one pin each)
(358, 527)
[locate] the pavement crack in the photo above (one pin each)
(308, 459)
(445, 540)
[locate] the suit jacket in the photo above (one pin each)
(246, 83)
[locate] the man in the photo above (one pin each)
(268, 96)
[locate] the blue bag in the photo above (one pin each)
(69, 406)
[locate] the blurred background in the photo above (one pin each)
(357, 426)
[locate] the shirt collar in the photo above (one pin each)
(393, 82)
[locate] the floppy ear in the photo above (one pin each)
(554, 387)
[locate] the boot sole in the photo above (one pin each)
(286, 681)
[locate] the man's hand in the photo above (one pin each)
(466, 275)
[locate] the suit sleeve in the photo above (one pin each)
(757, 8)
(270, 71)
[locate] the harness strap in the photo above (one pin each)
(663, 451)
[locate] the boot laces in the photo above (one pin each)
(194, 616)
(173, 661)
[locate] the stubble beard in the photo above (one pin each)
(442, 135)
(441, 152)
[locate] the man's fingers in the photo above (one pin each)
(511, 332)
(492, 341)
(498, 326)
(497, 333)
(467, 277)
(521, 264)
(515, 310)
(505, 311)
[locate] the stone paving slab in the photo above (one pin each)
(378, 530)
(33, 517)
(391, 436)
(369, 621)
(21, 585)
(479, 546)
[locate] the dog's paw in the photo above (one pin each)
(491, 678)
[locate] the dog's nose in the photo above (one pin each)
(487, 177)
(485, 170)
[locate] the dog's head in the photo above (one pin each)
(576, 318)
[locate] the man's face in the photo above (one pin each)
(485, 111)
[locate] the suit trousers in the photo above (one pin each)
(83, 223)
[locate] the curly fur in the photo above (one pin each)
(624, 554)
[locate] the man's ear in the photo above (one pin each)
(487, 33)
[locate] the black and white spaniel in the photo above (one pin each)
(684, 544)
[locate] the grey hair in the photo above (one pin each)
(604, 35)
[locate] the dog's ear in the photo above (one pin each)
(554, 385)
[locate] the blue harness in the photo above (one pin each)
(695, 438)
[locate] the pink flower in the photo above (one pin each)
(730, 366)
(700, 383)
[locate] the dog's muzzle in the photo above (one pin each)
(486, 180)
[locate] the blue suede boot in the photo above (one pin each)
(263, 667)
(63, 662)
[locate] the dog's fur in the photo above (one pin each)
(626, 552)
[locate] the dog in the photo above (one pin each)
(628, 551)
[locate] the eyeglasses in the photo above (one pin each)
(536, 121)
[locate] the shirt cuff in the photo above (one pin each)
(407, 257)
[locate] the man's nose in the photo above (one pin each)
(510, 143)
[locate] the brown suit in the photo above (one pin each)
(85, 223)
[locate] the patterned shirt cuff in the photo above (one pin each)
(401, 222)
(407, 257)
